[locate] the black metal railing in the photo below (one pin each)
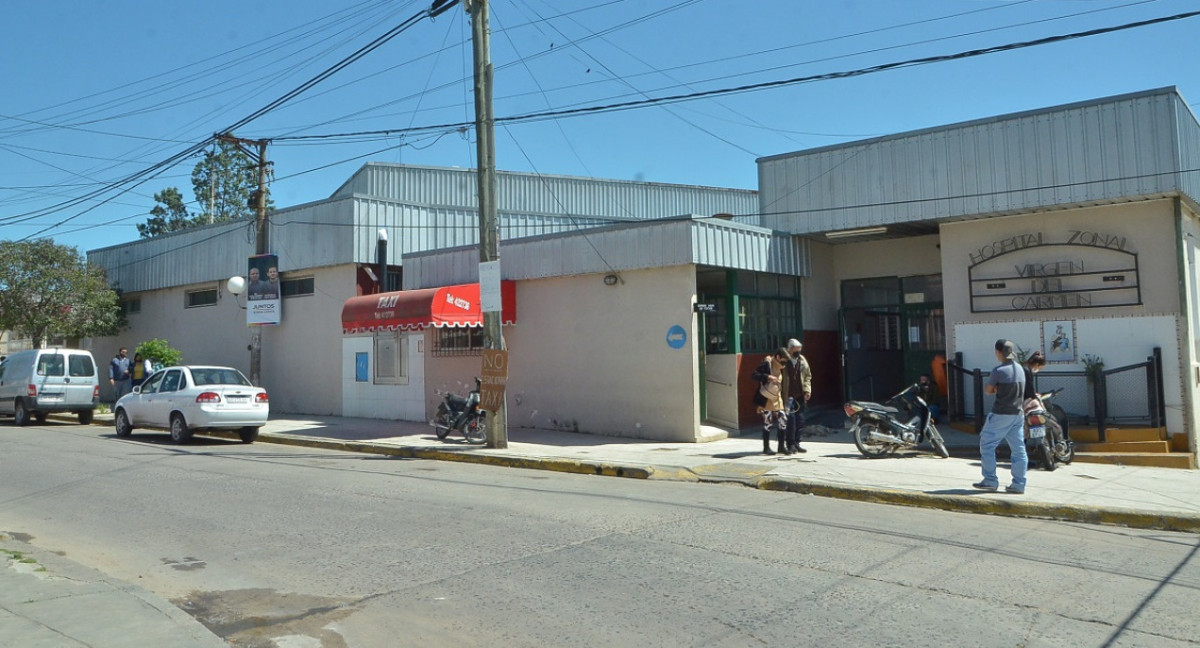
(1129, 395)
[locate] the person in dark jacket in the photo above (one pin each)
(799, 390)
(771, 398)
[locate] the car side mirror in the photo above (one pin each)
(136, 390)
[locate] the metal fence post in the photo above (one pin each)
(1152, 391)
(956, 384)
(1100, 396)
(977, 375)
(1160, 396)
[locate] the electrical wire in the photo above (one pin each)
(438, 7)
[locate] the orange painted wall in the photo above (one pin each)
(821, 349)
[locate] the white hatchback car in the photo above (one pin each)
(188, 399)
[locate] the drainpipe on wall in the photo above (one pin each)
(1185, 309)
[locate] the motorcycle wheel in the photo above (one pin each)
(441, 423)
(1064, 448)
(1046, 454)
(862, 440)
(939, 445)
(475, 430)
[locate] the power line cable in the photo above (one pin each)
(629, 105)
(437, 8)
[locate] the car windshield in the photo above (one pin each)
(219, 376)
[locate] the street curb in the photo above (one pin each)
(991, 504)
(983, 503)
(463, 456)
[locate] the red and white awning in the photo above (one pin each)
(418, 309)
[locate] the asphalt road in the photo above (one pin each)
(273, 545)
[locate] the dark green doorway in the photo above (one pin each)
(891, 329)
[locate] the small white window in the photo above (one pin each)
(391, 359)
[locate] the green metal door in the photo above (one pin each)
(924, 329)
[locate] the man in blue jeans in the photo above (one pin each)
(1006, 422)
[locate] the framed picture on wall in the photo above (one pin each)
(1058, 340)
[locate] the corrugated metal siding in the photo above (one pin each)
(315, 235)
(209, 253)
(1189, 150)
(308, 236)
(415, 228)
(1094, 152)
(546, 194)
(627, 247)
(437, 211)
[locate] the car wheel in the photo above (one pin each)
(248, 434)
(86, 416)
(124, 428)
(20, 414)
(40, 417)
(179, 429)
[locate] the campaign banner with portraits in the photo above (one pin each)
(263, 295)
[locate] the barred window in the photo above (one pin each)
(297, 287)
(454, 341)
(195, 298)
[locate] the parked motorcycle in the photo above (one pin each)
(463, 414)
(1055, 446)
(880, 430)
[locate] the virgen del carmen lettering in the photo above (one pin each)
(1079, 269)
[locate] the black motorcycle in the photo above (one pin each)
(1056, 446)
(463, 414)
(903, 422)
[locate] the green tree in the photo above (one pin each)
(168, 216)
(224, 182)
(159, 352)
(48, 290)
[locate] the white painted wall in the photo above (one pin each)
(593, 358)
(400, 402)
(301, 357)
(1122, 335)
(1120, 341)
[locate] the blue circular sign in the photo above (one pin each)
(676, 337)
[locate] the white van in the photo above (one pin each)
(38, 382)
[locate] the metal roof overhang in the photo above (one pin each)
(418, 309)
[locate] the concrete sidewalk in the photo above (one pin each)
(47, 600)
(1134, 496)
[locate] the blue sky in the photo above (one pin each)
(97, 92)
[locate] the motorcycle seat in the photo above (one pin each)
(876, 407)
(456, 402)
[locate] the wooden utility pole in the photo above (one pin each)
(261, 234)
(489, 231)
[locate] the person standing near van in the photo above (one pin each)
(119, 375)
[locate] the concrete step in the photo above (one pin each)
(1156, 459)
(1117, 434)
(1122, 447)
